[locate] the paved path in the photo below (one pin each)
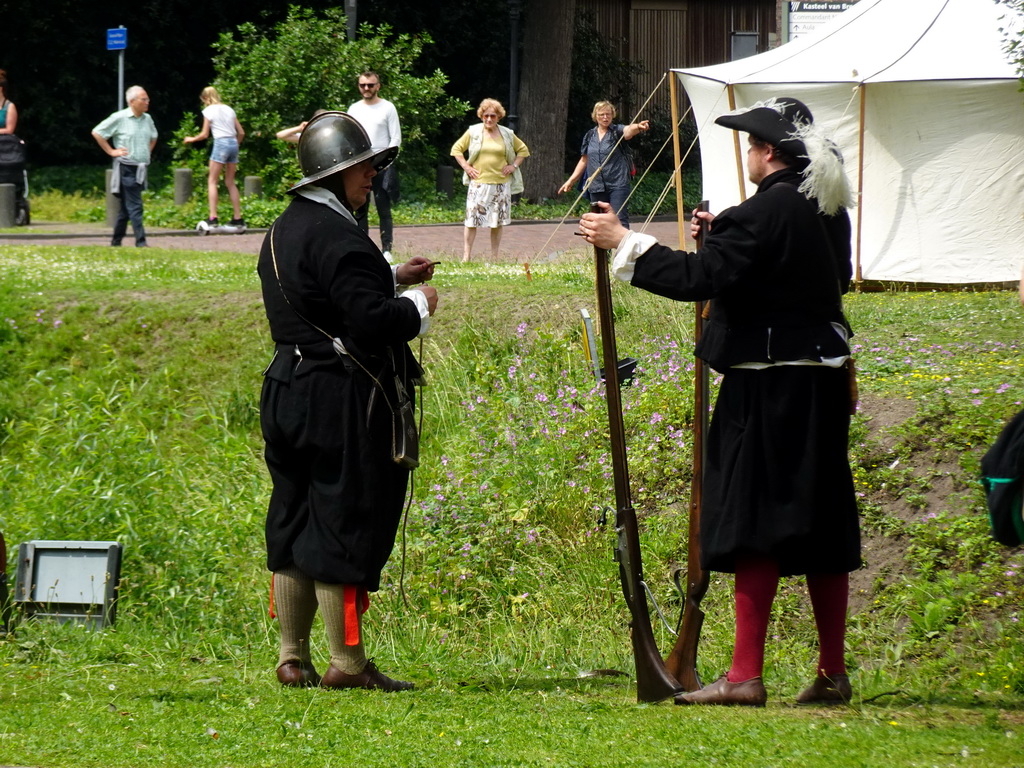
(521, 241)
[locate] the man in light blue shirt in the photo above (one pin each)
(129, 136)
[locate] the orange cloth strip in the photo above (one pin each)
(273, 613)
(357, 600)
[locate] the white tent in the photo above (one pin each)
(927, 110)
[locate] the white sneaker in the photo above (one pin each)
(387, 255)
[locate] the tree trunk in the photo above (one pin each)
(544, 97)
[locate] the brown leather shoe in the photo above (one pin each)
(827, 690)
(370, 678)
(749, 693)
(296, 674)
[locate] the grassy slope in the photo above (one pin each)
(127, 390)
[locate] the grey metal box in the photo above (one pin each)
(69, 580)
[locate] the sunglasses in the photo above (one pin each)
(368, 85)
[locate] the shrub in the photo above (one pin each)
(279, 78)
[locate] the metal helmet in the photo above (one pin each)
(334, 141)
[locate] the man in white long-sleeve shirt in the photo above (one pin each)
(380, 120)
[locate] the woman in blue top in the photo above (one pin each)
(608, 171)
(8, 112)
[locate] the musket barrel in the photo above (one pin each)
(613, 389)
(682, 661)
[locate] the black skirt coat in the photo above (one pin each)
(777, 478)
(337, 494)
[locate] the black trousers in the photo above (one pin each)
(337, 496)
(131, 208)
(778, 481)
(382, 199)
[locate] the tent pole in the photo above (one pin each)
(860, 182)
(740, 176)
(673, 89)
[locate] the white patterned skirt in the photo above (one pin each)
(489, 205)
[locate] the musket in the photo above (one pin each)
(653, 681)
(682, 661)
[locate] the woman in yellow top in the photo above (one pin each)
(492, 173)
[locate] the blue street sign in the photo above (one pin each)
(117, 39)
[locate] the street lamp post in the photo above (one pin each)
(350, 19)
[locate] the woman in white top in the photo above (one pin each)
(220, 119)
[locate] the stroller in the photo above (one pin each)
(12, 171)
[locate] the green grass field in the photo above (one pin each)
(128, 389)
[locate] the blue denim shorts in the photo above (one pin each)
(224, 151)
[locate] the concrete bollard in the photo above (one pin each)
(7, 205)
(182, 185)
(446, 180)
(113, 203)
(253, 186)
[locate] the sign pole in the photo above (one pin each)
(120, 79)
(117, 40)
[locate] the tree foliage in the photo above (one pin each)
(64, 81)
(278, 77)
(1013, 33)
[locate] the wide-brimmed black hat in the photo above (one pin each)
(775, 121)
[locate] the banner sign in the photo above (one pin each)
(805, 17)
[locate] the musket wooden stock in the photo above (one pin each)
(653, 681)
(682, 662)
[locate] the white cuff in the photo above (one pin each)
(633, 246)
(418, 298)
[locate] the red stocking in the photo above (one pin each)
(829, 596)
(757, 579)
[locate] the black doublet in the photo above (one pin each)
(772, 262)
(777, 477)
(337, 495)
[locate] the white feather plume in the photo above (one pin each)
(825, 179)
(772, 103)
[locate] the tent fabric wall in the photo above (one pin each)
(925, 88)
